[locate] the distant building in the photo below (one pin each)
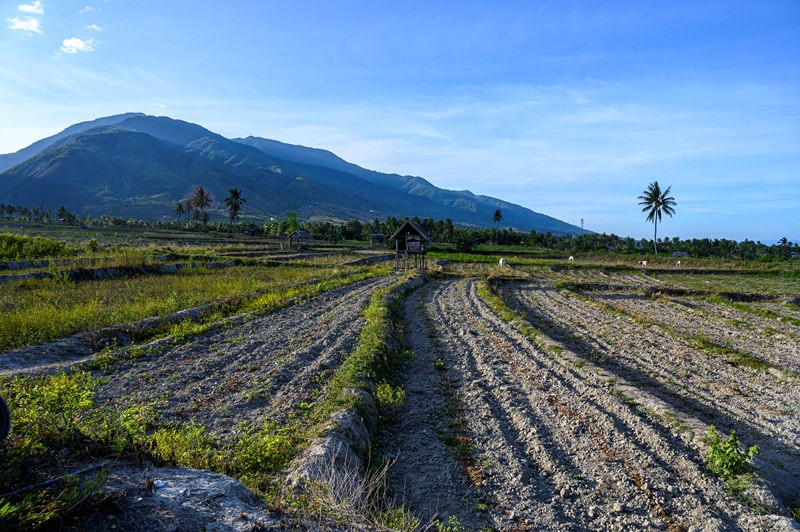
(377, 238)
(411, 246)
(679, 254)
(299, 239)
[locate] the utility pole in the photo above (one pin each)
(581, 224)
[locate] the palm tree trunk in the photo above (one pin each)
(655, 232)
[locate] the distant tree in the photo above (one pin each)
(464, 240)
(180, 209)
(655, 204)
(353, 230)
(784, 242)
(497, 217)
(448, 230)
(234, 202)
(200, 200)
(273, 228)
(292, 224)
(61, 214)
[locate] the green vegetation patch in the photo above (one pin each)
(60, 411)
(45, 310)
(749, 309)
(21, 247)
(377, 358)
(736, 357)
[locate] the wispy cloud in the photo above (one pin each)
(85, 9)
(75, 45)
(94, 27)
(29, 24)
(34, 8)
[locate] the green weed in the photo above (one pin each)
(726, 458)
(452, 525)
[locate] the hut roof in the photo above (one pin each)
(299, 233)
(412, 227)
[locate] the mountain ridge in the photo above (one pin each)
(138, 165)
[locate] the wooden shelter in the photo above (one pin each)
(411, 243)
(377, 238)
(299, 239)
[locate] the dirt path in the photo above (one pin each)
(697, 385)
(264, 368)
(425, 477)
(556, 451)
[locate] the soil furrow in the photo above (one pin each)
(623, 437)
(263, 368)
(708, 321)
(694, 383)
(557, 452)
(705, 382)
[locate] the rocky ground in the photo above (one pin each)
(554, 446)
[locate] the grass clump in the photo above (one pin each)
(56, 412)
(452, 525)
(40, 509)
(389, 398)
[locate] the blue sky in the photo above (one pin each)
(568, 108)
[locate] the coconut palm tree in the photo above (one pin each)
(234, 201)
(180, 210)
(655, 204)
(497, 217)
(200, 200)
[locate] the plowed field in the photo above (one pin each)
(598, 423)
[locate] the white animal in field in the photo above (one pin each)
(677, 263)
(571, 258)
(643, 263)
(502, 263)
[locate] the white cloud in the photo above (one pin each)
(34, 8)
(75, 45)
(85, 9)
(94, 27)
(29, 24)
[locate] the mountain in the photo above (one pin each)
(10, 159)
(138, 165)
(462, 201)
